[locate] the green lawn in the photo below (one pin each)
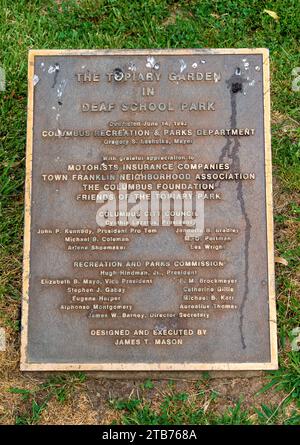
(150, 24)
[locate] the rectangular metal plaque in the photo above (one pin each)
(148, 219)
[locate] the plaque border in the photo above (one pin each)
(25, 365)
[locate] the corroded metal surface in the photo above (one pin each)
(148, 297)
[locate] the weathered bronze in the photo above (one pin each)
(112, 283)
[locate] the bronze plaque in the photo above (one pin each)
(148, 220)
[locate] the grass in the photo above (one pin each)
(150, 24)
